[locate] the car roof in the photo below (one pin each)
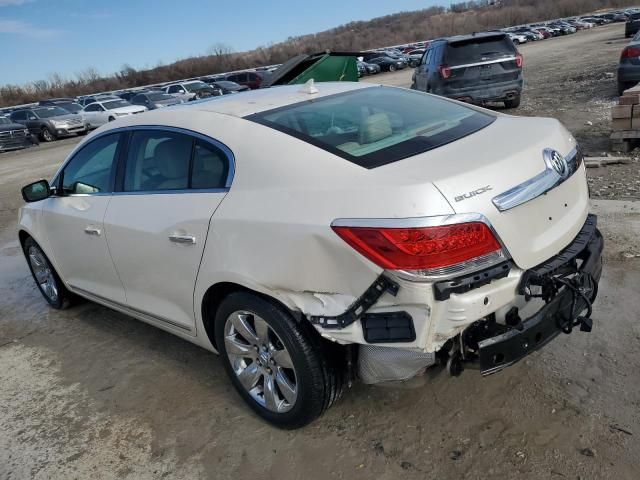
(463, 38)
(260, 100)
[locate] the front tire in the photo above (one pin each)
(45, 276)
(47, 135)
(277, 365)
(392, 68)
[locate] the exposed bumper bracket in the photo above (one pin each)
(360, 306)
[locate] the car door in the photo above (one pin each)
(20, 117)
(157, 223)
(422, 71)
(90, 114)
(73, 220)
(33, 123)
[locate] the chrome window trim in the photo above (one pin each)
(488, 62)
(547, 180)
(176, 191)
(216, 143)
(432, 275)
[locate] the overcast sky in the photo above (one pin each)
(39, 37)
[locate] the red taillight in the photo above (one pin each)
(630, 52)
(421, 248)
(519, 60)
(445, 71)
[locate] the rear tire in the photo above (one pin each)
(293, 367)
(622, 86)
(513, 103)
(45, 276)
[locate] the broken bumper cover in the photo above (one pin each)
(561, 313)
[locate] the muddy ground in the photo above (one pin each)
(88, 392)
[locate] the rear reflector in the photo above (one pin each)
(421, 248)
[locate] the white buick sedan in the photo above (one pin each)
(312, 236)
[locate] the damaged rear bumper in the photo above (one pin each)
(581, 265)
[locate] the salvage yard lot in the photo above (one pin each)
(89, 392)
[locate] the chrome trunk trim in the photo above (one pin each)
(557, 170)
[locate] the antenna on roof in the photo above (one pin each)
(309, 87)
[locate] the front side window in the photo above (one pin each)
(375, 126)
(89, 171)
(159, 160)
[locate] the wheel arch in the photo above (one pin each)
(22, 236)
(216, 293)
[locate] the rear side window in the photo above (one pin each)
(377, 125)
(476, 50)
(159, 160)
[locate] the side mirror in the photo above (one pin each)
(36, 191)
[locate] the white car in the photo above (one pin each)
(312, 235)
(98, 113)
(517, 38)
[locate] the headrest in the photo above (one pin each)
(375, 128)
(172, 157)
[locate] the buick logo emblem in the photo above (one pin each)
(556, 162)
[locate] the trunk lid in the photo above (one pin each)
(473, 170)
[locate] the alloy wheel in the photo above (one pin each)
(46, 135)
(43, 273)
(260, 361)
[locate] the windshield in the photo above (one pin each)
(49, 112)
(5, 121)
(111, 104)
(195, 86)
(158, 97)
(377, 125)
(479, 50)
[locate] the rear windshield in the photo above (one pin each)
(635, 16)
(377, 125)
(479, 50)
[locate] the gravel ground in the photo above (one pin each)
(90, 393)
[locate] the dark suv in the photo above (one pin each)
(13, 135)
(478, 69)
(252, 80)
(632, 26)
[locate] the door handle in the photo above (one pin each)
(90, 230)
(184, 239)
